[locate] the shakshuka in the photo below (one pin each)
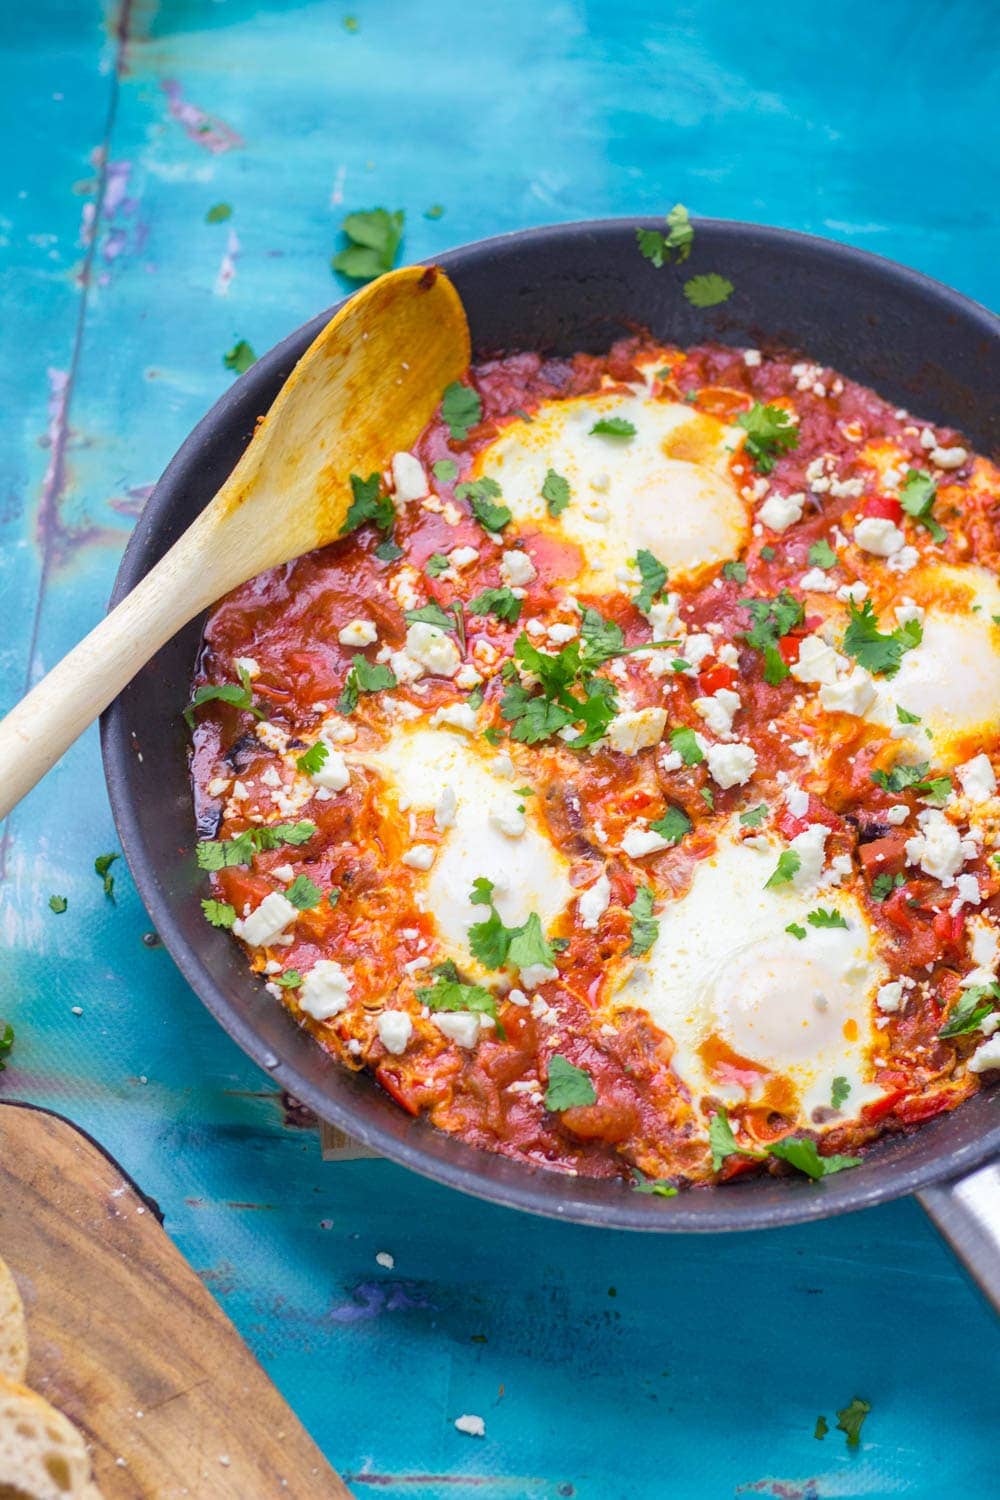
(620, 789)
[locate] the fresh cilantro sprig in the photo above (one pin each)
(771, 620)
(822, 555)
(239, 358)
(569, 1087)
(431, 614)
(685, 741)
(240, 695)
(654, 578)
(754, 817)
(462, 409)
(616, 427)
(974, 1005)
(708, 290)
(673, 826)
(6, 1043)
(496, 945)
(219, 913)
(364, 677)
(676, 244)
(917, 495)
(645, 927)
(500, 602)
(901, 778)
(799, 1152)
(771, 431)
(374, 238)
(879, 653)
(58, 904)
(851, 1420)
(822, 917)
(482, 495)
(555, 493)
(368, 504)
(221, 854)
(785, 871)
(451, 994)
(303, 893)
(839, 1091)
(102, 869)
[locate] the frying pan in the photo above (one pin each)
(561, 289)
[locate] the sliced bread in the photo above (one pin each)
(13, 1331)
(42, 1456)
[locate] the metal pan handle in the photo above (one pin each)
(967, 1212)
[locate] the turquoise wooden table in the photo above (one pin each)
(604, 1366)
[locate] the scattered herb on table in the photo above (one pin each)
(239, 358)
(374, 242)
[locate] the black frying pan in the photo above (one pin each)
(570, 287)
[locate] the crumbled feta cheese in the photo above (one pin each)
(937, 848)
(817, 582)
(852, 694)
(663, 618)
(636, 730)
(966, 893)
(517, 569)
(474, 1426)
(977, 777)
(817, 661)
(247, 664)
(985, 1057)
(809, 846)
(219, 785)
(445, 808)
(728, 655)
(928, 438)
(879, 536)
(781, 511)
(907, 611)
(718, 711)
(358, 633)
(467, 677)
(433, 649)
(594, 902)
(732, 764)
(463, 557)
(904, 561)
(456, 716)
(405, 587)
(751, 358)
(890, 997)
(562, 634)
(507, 817)
(853, 593)
(394, 1030)
(419, 856)
(671, 760)
(269, 920)
(697, 647)
(797, 801)
(338, 731)
(640, 841)
(532, 975)
(333, 773)
(325, 990)
(283, 872)
(408, 478)
(948, 458)
(897, 814)
(459, 1026)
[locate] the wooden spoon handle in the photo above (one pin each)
(40, 728)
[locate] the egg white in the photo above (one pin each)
(724, 964)
(667, 489)
(529, 873)
(952, 679)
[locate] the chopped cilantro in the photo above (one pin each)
(675, 244)
(388, 551)
(500, 602)
(289, 980)
(6, 1043)
(239, 695)
(446, 469)
(839, 1091)
(708, 290)
(562, 679)
(904, 716)
(450, 994)
(821, 1429)
(822, 555)
(653, 575)
(481, 494)
(616, 427)
(462, 409)
(58, 904)
(755, 816)
(219, 913)
(495, 944)
(313, 759)
(436, 564)
(673, 826)
(851, 1420)
(768, 553)
(239, 358)
(102, 868)
(771, 432)
(974, 1005)
(434, 212)
(685, 742)
(654, 1185)
(431, 614)
(218, 213)
(934, 789)
(801, 1153)
(877, 653)
(332, 897)
(493, 736)
(369, 504)
(374, 241)
(721, 1139)
(569, 1087)
(785, 871)
(771, 620)
(796, 931)
(708, 797)
(883, 885)
(555, 493)
(822, 917)
(736, 572)
(917, 494)
(303, 894)
(364, 677)
(645, 927)
(221, 854)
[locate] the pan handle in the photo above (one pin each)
(967, 1212)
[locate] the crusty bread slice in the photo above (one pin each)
(13, 1331)
(42, 1456)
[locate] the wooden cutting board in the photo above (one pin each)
(119, 1324)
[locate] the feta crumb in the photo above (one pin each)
(718, 711)
(879, 536)
(267, 922)
(474, 1426)
(467, 677)
(853, 593)
(937, 848)
(325, 990)
(532, 975)
(456, 716)
(445, 808)
(247, 664)
(408, 477)
(904, 561)
(562, 634)
(394, 1030)
(797, 801)
(358, 633)
(852, 694)
(898, 814)
(890, 997)
(985, 1057)
(594, 902)
(697, 647)
(817, 582)
(507, 817)
(671, 760)
(517, 568)
(664, 619)
(907, 611)
(636, 730)
(948, 458)
(781, 511)
(640, 841)
(463, 557)
(978, 780)
(751, 358)
(283, 872)
(333, 773)
(419, 856)
(433, 649)
(459, 1026)
(817, 662)
(809, 846)
(732, 764)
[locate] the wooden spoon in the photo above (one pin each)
(362, 391)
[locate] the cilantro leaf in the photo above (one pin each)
(239, 358)
(822, 555)
(917, 495)
(219, 913)
(529, 947)
(313, 759)
(303, 894)
(904, 716)
(974, 1005)
(785, 871)
(481, 494)
(499, 602)
(369, 504)
(451, 994)
(388, 551)
(364, 677)
(677, 242)
(601, 639)
(708, 290)
(445, 469)
(721, 1139)
(736, 572)
(900, 777)
(555, 493)
(755, 816)
(240, 696)
(461, 408)
(839, 1091)
(685, 742)
(771, 620)
(673, 826)
(654, 1185)
(801, 1153)
(851, 1420)
(6, 1043)
(436, 564)
(821, 1429)
(218, 213)
(431, 614)
(935, 790)
(102, 868)
(796, 931)
(877, 653)
(771, 431)
(222, 854)
(495, 944)
(568, 1087)
(645, 927)
(58, 904)
(289, 980)
(822, 917)
(374, 241)
(653, 575)
(616, 427)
